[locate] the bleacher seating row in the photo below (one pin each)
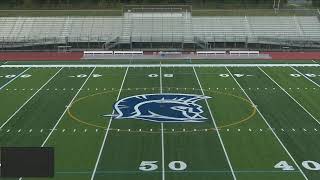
(158, 29)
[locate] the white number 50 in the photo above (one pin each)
(148, 166)
(152, 165)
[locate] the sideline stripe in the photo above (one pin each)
(29, 99)
(14, 79)
(168, 65)
(305, 76)
(272, 130)
(290, 96)
(215, 125)
(186, 172)
(108, 128)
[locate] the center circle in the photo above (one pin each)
(86, 101)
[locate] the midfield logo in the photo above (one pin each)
(167, 107)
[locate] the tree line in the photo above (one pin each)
(119, 3)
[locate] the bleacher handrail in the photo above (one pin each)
(244, 52)
(98, 52)
(210, 52)
(128, 52)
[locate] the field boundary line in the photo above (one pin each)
(290, 96)
(305, 76)
(3, 86)
(166, 65)
(216, 127)
(265, 120)
(181, 172)
(59, 10)
(108, 128)
(162, 133)
(26, 102)
(74, 97)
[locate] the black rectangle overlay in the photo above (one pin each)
(27, 162)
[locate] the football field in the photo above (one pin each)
(167, 121)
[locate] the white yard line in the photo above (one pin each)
(272, 130)
(290, 96)
(14, 78)
(167, 65)
(108, 128)
(162, 133)
(162, 153)
(216, 127)
(29, 99)
(306, 77)
(74, 97)
(45, 141)
(160, 77)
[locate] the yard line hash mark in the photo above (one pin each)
(289, 154)
(74, 97)
(305, 76)
(107, 131)
(215, 125)
(14, 78)
(45, 141)
(29, 99)
(290, 96)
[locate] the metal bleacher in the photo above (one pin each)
(157, 28)
(310, 26)
(178, 27)
(220, 29)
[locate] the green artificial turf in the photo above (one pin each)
(67, 113)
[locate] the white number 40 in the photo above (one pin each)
(309, 165)
(152, 165)
(284, 166)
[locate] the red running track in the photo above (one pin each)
(73, 56)
(294, 55)
(38, 56)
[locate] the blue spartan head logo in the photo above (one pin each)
(165, 107)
